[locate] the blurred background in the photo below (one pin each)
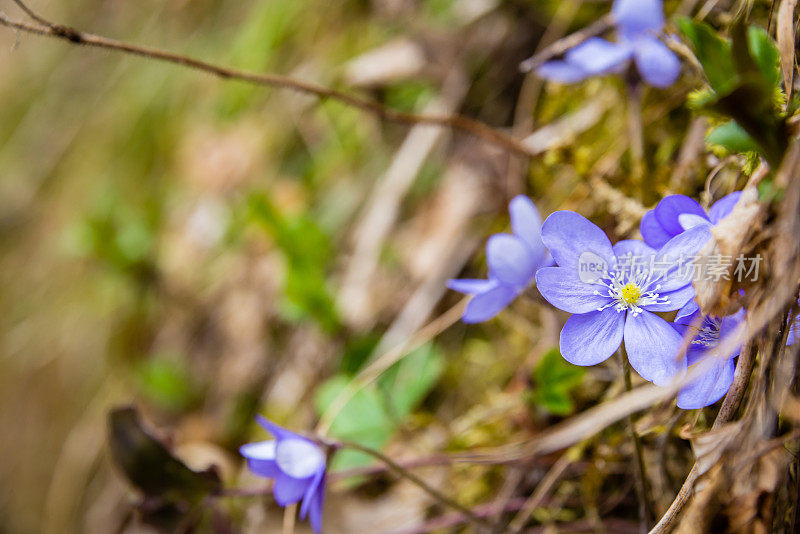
(207, 250)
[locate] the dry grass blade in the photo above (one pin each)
(786, 39)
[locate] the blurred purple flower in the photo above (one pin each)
(794, 331)
(712, 385)
(298, 466)
(513, 261)
(639, 24)
(613, 292)
(677, 213)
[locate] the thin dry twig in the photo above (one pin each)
(411, 477)
(462, 123)
(539, 495)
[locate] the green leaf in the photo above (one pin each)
(373, 414)
(732, 138)
(554, 400)
(714, 53)
(764, 52)
(364, 420)
(357, 351)
(308, 252)
(751, 107)
(554, 370)
(554, 379)
(165, 382)
(408, 381)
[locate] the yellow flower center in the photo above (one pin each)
(631, 293)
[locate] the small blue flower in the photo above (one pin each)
(513, 261)
(298, 466)
(639, 24)
(613, 292)
(712, 385)
(677, 213)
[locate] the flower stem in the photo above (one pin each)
(289, 518)
(636, 135)
(642, 486)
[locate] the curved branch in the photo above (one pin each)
(465, 124)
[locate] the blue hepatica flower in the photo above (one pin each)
(716, 380)
(639, 24)
(298, 466)
(613, 292)
(513, 261)
(677, 213)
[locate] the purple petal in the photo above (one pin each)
(677, 256)
(299, 458)
(568, 235)
(723, 207)
(564, 290)
(653, 346)
(278, 431)
(675, 299)
(316, 507)
(486, 305)
(652, 231)
(729, 326)
(561, 72)
(261, 458)
(685, 314)
(310, 492)
(262, 450)
(598, 56)
(526, 223)
(690, 220)
(794, 333)
(471, 286)
(590, 338)
(658, 65)
(634, 248)
(638, 16)
(687, 243)
(709, 387)
(288, 490)
(510, 260)
(668, 210)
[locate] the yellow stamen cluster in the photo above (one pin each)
(631, 293)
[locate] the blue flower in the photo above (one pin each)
(639, 24)
(298, 466)
(677, 213)
(613, 292)
(716, 380)
(513, 261)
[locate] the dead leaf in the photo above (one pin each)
(729, 239)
